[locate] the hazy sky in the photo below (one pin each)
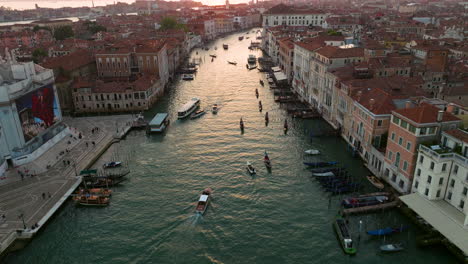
(29, 4)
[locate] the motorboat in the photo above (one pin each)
(91, 200)
(251, 169)
(187, 77)
(225, 46)
(112, 164)
(365, 200)
(232, 62)
(198, 114)
(95, 191)
(188, 108)
(342, 231)
(159, 123)
(324, 174)
(335, 169)
(391, 247)
(267, 160)
(247, 37)
(252, 59)
(212, 56)
(386, 231)
(376, 182)
(215, 109)
(206, 48)
(203, 201)
(312, 152)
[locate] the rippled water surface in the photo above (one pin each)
(278, 217)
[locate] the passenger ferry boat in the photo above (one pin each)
(91, 200)
(188, 108)
(252, 59)
(159, 123)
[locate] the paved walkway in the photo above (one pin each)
(30, 198)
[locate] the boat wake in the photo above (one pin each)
(195, 219)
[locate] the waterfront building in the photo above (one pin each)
(116, 96)
(30, 115)
(53, 24)
(440, 186)
(410, 127)
(286, 57)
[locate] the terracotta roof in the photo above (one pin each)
(70, 62)
(335, 52)
(458, 133)
(425, 113)
(284, 9)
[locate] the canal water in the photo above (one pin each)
(278, 217)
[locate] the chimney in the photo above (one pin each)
(450, 108)
(408, 104)
(440, 115)
(371, 103)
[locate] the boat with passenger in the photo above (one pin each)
(366, 200)
(232, 62)
(376, 182)
(225, 46)
(215, 109)
(187, 77)
(95, 191)
(203, 201)
(342, 231)
(91, 200)
(267, 161)
(252, 59)
(241, 37)
(197, 114)
(188, 108)
(251, 169)
(159, 123)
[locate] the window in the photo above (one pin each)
(390, 155)
(416, 184)
(429, 179)
(400, 141)
(444, 167)
(441, 181)
(421, 159)
(396, 120)
(426, 192)
(394, 177)
(393, 136)
(455, 169)
(405, 165)
(462, 204)
(379, 122)
(422, 131)
(438, 194)
(452, 183)
(404, 124)
(408, 145)
(418, 172)
(397, 159)
(449, 196)
(465, 190)
(412, 129)
(401, 184)
(387, 172)
(432, 165)
(432, 130)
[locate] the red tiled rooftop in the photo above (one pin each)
(458, 133)
(335, 52)
(425, 113)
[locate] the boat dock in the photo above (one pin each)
(28, 202)
(370, 208)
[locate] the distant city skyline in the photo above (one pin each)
(30, 4)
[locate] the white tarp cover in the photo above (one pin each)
(276, 69)
(280, 76)
(203, 198)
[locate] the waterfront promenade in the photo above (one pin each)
(27, 201)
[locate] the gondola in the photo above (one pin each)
(360, 201)
(256, 93)
(376, 182)
(262, 83)
(232, 62)
(241, 124)
(260, 107)
(251, 169)
(321, 163)
(386, 231)
(267, 161)
(212, 56)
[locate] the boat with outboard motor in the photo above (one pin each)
(112, 164)
(344, 237)
(251, 169)
(391, 248)
(365, 200)
(198, 114)
(321, 163)
(203, 201)
(312, 152)
(214, 109)
(225, 46)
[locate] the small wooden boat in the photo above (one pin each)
(324, 174)
(212, 56)
(366, 200)
(267, 119)
(256, 93)
(251, 169)
(260, 107)
(391, 248)
(312, 152)
(321, 163)
(267, 160)
(376, 182)
(197, 114)
(225, 46)
(215, 109)
(342, 231)
(112, 164)
(262, 83)
(203, 201)
(241, 37)
(320, 170)
(232, 62)
(206, 48)
(241, 124)
(187, 77)
(91, 200)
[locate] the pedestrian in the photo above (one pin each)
(92, 131)
(48, 193)
(93, 144)
(64, 162)
(86, 144)
(22, 176)
(68, 162)
(43, 195)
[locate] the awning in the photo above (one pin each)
(442, 216)
(203, 198)
(280, 76)
(276, 69)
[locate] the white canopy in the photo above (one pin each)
(203, 198)
(276, 69)
(280, 76)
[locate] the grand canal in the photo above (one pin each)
(278, 217)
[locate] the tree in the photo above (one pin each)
(171, 23)
(94, 28)
(38, 54)
(64, 32)
(332, 32)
